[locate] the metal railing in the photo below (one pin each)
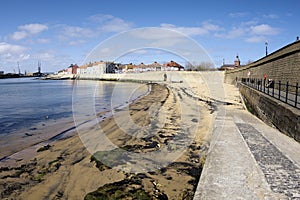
(284, 92)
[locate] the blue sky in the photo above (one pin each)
(59, 33)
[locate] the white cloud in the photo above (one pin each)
(19, 35)
(24, 57)
(101, 18)
(33, 28)
(51, 60)
(205, 29)
(97, 24)
(264, 29)
(115, 25)
(10, 48)
(139, 51)
(109, 23)
(45, 56)
(156, 33)
(76, 42)
(75, 31)
(168, 43)
(211, 27)
(251, 30)
(256, 39)
(238, 14)
(271, 16)
(28, 30)
(234, 33)
(155, 37)
(69, 33)
(12, 53)
(186, 30)
(43, 40)
(249, 23)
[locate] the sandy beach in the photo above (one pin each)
(69, 169)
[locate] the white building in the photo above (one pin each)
(82, 69)
(95, 69)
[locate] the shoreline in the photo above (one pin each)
(35, 134)
(48, 167)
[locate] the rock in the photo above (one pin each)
(28, 134)
(44, 148)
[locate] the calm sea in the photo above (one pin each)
(25, 101)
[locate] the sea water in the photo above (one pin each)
(27, 101)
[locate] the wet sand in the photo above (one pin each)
(65, 169)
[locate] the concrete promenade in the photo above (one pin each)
(248, 159)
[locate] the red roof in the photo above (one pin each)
(173, 64)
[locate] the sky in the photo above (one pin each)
(60, 33)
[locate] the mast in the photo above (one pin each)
(19, 68)
(39, 67)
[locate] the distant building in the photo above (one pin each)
(97, 68)
(72, 69)
(112, 67)
(82, 69)
(141, 67)
(37, 74)
(173, 66)
(155, 66)
(127, 68)
(237, 64)
(1, 72)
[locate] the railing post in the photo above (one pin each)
(256, 82)
(264, 85)
(296, 97)
(273, 88)
(286, 92)
(279, 87)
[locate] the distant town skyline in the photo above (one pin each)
(59, 33)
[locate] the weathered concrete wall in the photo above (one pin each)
(272, 111)
(283, 65)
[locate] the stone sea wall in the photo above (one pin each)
(272, 111)
(282, 65)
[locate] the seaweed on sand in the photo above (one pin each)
(109, 159)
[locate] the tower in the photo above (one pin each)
(237, 61)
